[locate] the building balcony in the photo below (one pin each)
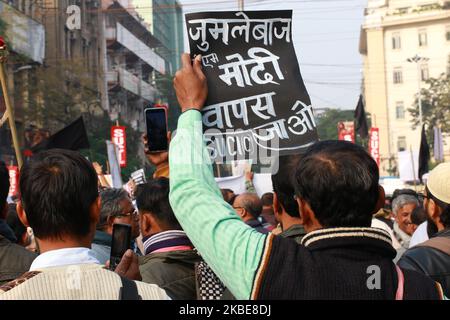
(110, 34)
(27, 36)
(128, 40)
(112, 77)
(131, 83)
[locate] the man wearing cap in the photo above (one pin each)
(433, 256)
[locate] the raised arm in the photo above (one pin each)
(231, 248)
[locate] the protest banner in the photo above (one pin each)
(374, 144)
(13, 180)
(346, 131)
(261, 182)
(113, 159)
(257, 106)
(119, 137)
(138, 177)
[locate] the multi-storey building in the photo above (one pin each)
(393, 32)
(21, 23)
(164, 19)
(130, 63)
(108, 41)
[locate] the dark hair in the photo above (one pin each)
(14, 222)
(418, 215)
(228, 195)
(283, 184)
(339, 180)
(153, 197)
(445, 207)
(58, 188)
(4, 185)
(267, 199)
(110, 205)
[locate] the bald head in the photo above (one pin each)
(250, 202)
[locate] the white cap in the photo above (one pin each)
(439, 182)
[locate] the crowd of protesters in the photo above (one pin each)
(326, 232)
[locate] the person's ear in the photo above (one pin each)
(21, 214)
(433, 210)
(381, 200)
(307, 217)
(95, 210)
(276, 204)
(146, 224)
(304, 218)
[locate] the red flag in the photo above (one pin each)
(374, 144)
(13, 180)
(119, 138)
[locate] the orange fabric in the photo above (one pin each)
(162, 171)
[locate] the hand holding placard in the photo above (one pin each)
(190, 84)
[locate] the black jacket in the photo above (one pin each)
(430, 261)
(255, 224)
(7, 232)
(14, 260)
(296, 232)
(332, 264)
(173, 271)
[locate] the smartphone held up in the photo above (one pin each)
(157, 129)
(121, 242)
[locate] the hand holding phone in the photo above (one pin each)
(121, 242)
(129, 267)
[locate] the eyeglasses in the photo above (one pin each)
(128, 214)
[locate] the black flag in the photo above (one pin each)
(361, 127)
(73, 137)
(424, 155)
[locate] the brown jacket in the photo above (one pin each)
(14, 260)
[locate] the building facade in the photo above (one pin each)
(130, 63)
(104, 41)
(393, 32)
(21, 24)
(168, 28)
(164, 18)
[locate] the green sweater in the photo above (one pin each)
(232, 249)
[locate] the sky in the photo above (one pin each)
(326, 39)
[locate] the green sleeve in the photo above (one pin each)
(249, 186)
(230, 247)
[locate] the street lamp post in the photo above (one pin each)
(417, 60)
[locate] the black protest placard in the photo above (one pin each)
(258, 105)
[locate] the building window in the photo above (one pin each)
(423, 38)
(398, 76)
(401, 144)
(424, 74)
(400, 110)
(396, 41)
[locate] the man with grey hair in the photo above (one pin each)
(248, 206)
(116, 207)
(402, 207)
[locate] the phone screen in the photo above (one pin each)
(156, 120)
(121, 242)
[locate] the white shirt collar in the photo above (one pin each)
(64, 257)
